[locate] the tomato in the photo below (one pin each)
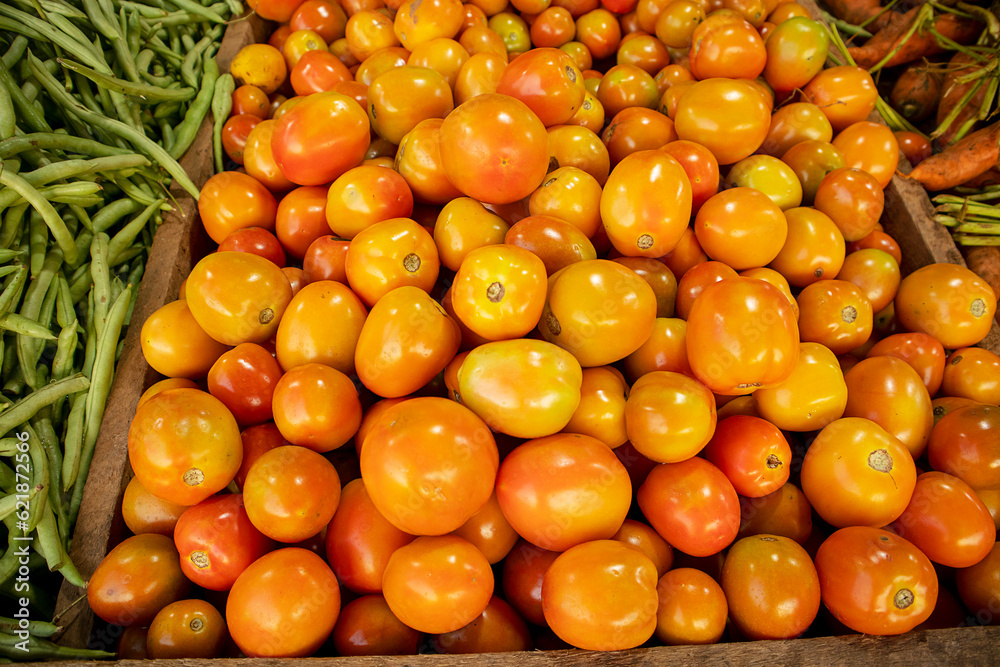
(947, 301)
(972, 372)
(836, 314)
(769, 175)
(145, 513)
(132, 644)
(326, 17)
(259, 161)
(137, 579)
(889, 392)
(367, 32)
(320, 138)
(637, 128)
(554, 26)
(438, 491)
(512, 30)
(964, 443)
(268, 600)
(260, 65)
(871, 147)
(216, 541)
(497, 629)
(627, 86)
(256, 240)
(728, 116)
(580, 147)
(300, 42)
(237, 297)
(915, 147)
(856, 474)
(676, 23)
(846, 94)
(360, 540)
(599, 31)
(256, 441)
(794, 123)
(875, 582)
(664, 350)
(645, 52)
(947, 521)
(184, 445)
(814, 248)
(481, 72)
(876, 272)
(522, 387)
(499, 291)
(796, 51)
(752, 453)
(300, 219)
(556, 242)
(669, 417)
(853, 199)
(812, 396)
(756, 345)
(584, 495)
(979, 586)
(771, 586)
(692, 607)
(366, 626)
(235, 133)
(601, 412)
(316, 406)
(251, 101)
(700, 166)
(692, 505)
(601, 596)
(364, 195)
(923, 352)
(812, 160)
(443, 55)
(243, 379)
(490, 531)
(418, 22)
(523, 572)
(232, 200)
(173, 343)
(437, 584)
(547, 81)
(304, 335)
(643, 537)
(464, 225)
(187, 629)
(741, 227)
(390, 254)
(401, 97)
(724, 45)
(785, 512)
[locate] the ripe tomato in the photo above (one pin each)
(184, 445)
(187, 629)
(304, 335)
(580, 147)
(237, 297)
(669, 417)
(443, 55)
(692, 606)
(448, 457)
(696, 279)
(853, 199)
(523, 572)
(499, 291)
(889, 392)
(875, 582)
(489, 531)
(836, 314)
(599, 31)
(464, 225)
(979, 586)
(846, 94)
(876, 272)
(785, 512)
(232, 200)
(692, 505)
(175, 345)
(494, 149)
(972, 372)
(771, 586)
(601, 412)
(256, 441)
(235, 133)
(646, 204)
(437, 584)
(316, 406)
(260, 65)
(256, 240)
(947, 521)
(947, 301)
(320, 138)
(217, 541)
(643, 537)
(259, 160)
(700, 166)
(752, 453)
(556, 242)
(664, 350)
(922, 352)
(796, 51)
(366, 626)
(871, 147)
(390, 254)
(401, 97)
(584, 494)
(741, 227)
(137, 579)
(755, 345)
(418, 22)
(814, 248)
(728, 116)
(326, 17)
(145, 513)
(626, 86)
(812, 396)
(301, 219)
(856, 474)
(364, 195)
(725, 45)
(243, 379)
(547, 81)
(522, 387)
(601, 596)
(794, 123)
(499, 628)
(268, 601)
(812, 160)
(964, 443)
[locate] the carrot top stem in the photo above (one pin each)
(888, 7)
(986, 16)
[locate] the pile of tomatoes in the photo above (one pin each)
(562, 323)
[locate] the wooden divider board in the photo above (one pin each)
(180, 240)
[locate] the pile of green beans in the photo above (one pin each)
(98, 100)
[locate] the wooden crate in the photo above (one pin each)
(181, 240)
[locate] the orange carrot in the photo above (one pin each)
(916, 93)
(854, 11)
(953, 92)
(983, 180)
(976, 153)
(919, 44)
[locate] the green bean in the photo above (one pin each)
(50, 443)
(22, 326)
(58, 142)
(79, 284)
(52, 219)
(113, 212)
(166, 110)
(222, 105)
(35, 628)
(8, 446)
(128, 233)
(81, 193)
(192, 62)
(48, 308)
(73, 441)
(83, 240)
(137, 138)
(39, 477)
(90, 337)
(9, 357)
(42, 649)
(27, 407)
(11, 228)
(27, 349)
(97, 397)
(102, 281)
(26, 111)
(7, 120)
(145, 93)
(8, 504)
(133, 32)
(52, 34)
(196, 113)
(16, 51)
(12, 291)
(130, 253)
(65, 313)
(38, 239)
(62, 362)
(51, 546)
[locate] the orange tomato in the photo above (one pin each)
(304, 336)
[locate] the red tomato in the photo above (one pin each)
(921, 351)
(217, 541)
(523, 572)
(244, 379)
(964, 443)
(267, 603)
(490, 531)
(692, 505)
(692, 610)
(700, 166)
(643, 537)
(366, 626)
(257, 440)
(584, 494)
(497, 629)
(255, 240)
(784, 512)
(187, 629)
(547, 81)
(316, 406)
(752, 453)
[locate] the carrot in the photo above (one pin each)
(916, 93)
(960, 100)
(915, 40)
(970, 157)
(985, 262)
(854, 11)
(983, 180)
